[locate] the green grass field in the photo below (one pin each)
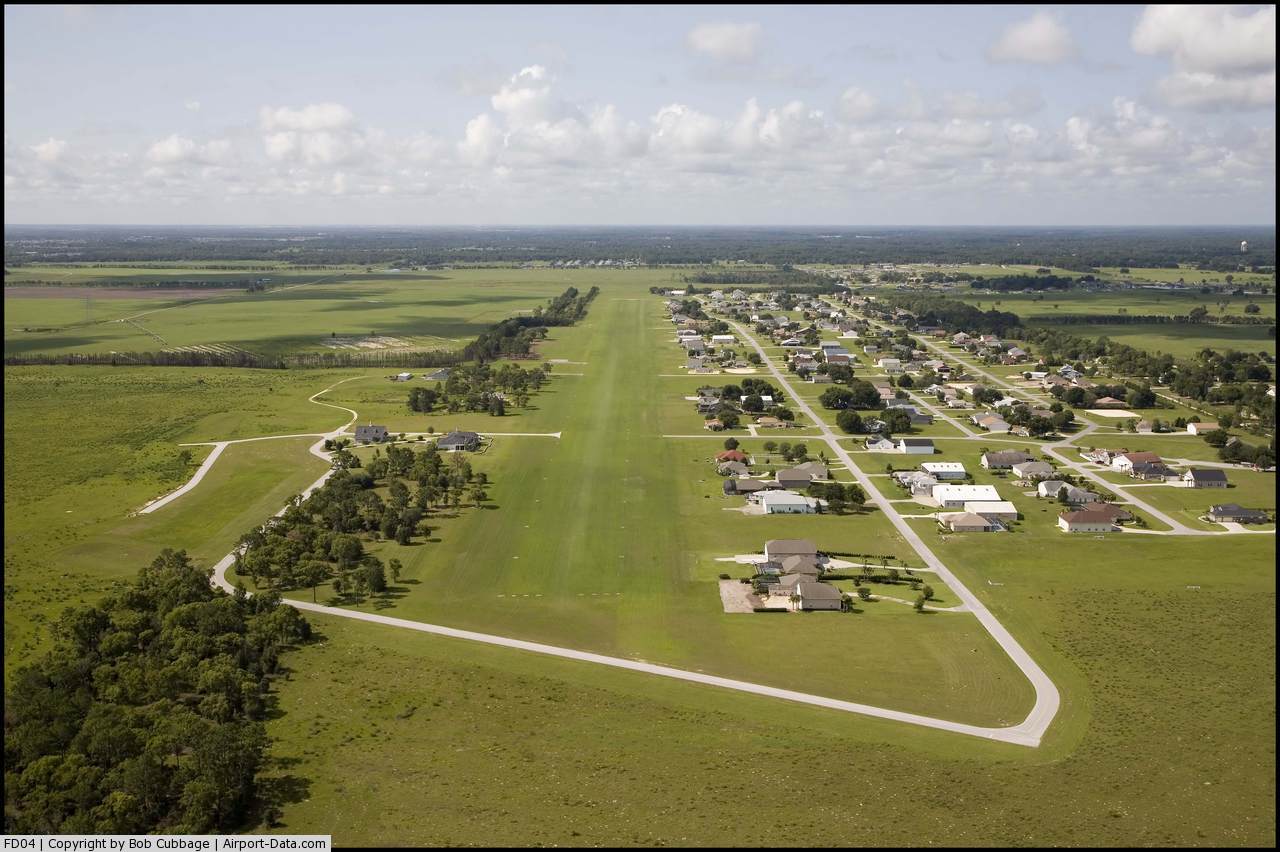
(1166, 732)
(419, 310)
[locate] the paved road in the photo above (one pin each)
(1031, 729)
(218, 447)
(1176, 526)
(316, 449)
(1018, 735)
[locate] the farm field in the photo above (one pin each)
(1181, 341)
(324, 311)
(391, 737)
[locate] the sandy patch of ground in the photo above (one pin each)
(1110, 412)
(737, 596)
(367, 343)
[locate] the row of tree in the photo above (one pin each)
(481, 387)
(322, 539)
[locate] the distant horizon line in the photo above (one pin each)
(642, 226)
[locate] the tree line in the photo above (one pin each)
(147, 714)
(322, 539)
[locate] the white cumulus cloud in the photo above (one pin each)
(1224, 58)
(1041, 39)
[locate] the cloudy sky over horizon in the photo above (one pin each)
(1027, 115)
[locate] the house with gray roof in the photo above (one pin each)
(456, 440)
(819, 596)
(371, 434)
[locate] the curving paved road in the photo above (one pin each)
(219, 446)
(1018, 735)
(1032, 728)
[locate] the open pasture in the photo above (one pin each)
(436, 310)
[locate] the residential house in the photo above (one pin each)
(1109, 402)
(371, 434)
(1033, 470)
(917, 482)
(1152, 471)
(1004, 459)
(965, 522)
(1112, 511)
(1235, 513)
(1201, 478)
(794, 478)
(769, 422)
(990, 422)
(723, 339)
(1052, 487)
(819, 596)
(817, 470)
(780, 548)
(800, 564)
(1125, 461)
(880, 445)
(1086, 521)
(457, 440)
(734, 486)
(1200, 428)
(732, 468)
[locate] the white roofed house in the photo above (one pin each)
(723, 339)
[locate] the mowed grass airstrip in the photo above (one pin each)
(1166, 733)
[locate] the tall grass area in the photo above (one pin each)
(85, 446)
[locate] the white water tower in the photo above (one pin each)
(1244, 246)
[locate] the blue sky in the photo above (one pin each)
(933, 115)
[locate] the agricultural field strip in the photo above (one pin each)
(1031, 729)
(1176, 527)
